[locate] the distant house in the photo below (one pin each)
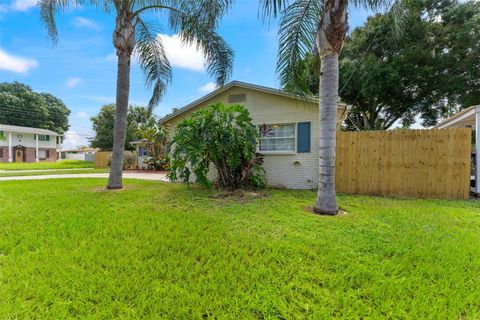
(468, 118)
(291, 145)
(84, 154)
(142, 152)
(24, 144)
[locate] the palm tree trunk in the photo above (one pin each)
(330, 38)
(120, 128)
(124, 41)
(326, 202)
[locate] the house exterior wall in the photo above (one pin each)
(283, 169)
(27, 140)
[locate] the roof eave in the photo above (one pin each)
(243, 85)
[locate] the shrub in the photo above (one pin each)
(223, 136)
(129, 159)
(156, 164)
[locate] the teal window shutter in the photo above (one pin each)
(47, 138)
(303, 137)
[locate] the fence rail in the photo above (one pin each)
(411, 163)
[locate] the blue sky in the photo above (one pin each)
(81, 68)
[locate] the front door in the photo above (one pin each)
(18, 155)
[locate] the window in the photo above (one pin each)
(277, 137)
(43, 137)
(1, 152)
(142, 151)
(1, 134)
(42, 154)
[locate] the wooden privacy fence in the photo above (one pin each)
(101, 159)
(410, 163)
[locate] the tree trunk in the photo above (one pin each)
(326, 199)
(124, 41)
(330, 37)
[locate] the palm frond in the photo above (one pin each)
(297, 34)
(272, 8)
(49, 8)
(399, 18)
(153, 61)
(218, 54)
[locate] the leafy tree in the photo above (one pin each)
(431, 72)
(222, 136)
(194, 20)
(156, 138)
(21, 106)
(103, 125)
(318, 26)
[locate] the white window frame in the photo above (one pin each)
(294, 151)
(42, 152)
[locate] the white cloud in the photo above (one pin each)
(182, 56)
(80, 22)
(16, 64)
(82, 115)
(208, 87)
(23, 5)
(73, 82)
(73, 140)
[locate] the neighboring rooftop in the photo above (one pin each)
(9, 128)
(241, 85)
(463, 118)
(81, 150)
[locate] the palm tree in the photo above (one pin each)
(317, 26)
(194, 20)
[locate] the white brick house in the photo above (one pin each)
(291, 146)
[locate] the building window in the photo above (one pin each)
(43, 137)
(277, 137)
(43, 154)
(142, 151)
(1, 152)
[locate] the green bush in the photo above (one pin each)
(156, 164)
(129, 160)
(223, 136)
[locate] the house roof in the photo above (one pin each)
(462, 118)
(139, 141)
(239, 84)
(9, 128)
(81, 150)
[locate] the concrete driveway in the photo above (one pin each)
(126, 175)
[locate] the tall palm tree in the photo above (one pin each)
(194, 20)
(317, 26)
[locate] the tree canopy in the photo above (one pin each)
(430, 72)
(21, 106)
(103, 124)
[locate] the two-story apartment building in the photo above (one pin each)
(24, 144)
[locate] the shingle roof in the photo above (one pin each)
(241, 85)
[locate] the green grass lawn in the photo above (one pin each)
(70, 249)
(13, 173)
(62, 164)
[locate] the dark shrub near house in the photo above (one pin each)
(219, 136)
